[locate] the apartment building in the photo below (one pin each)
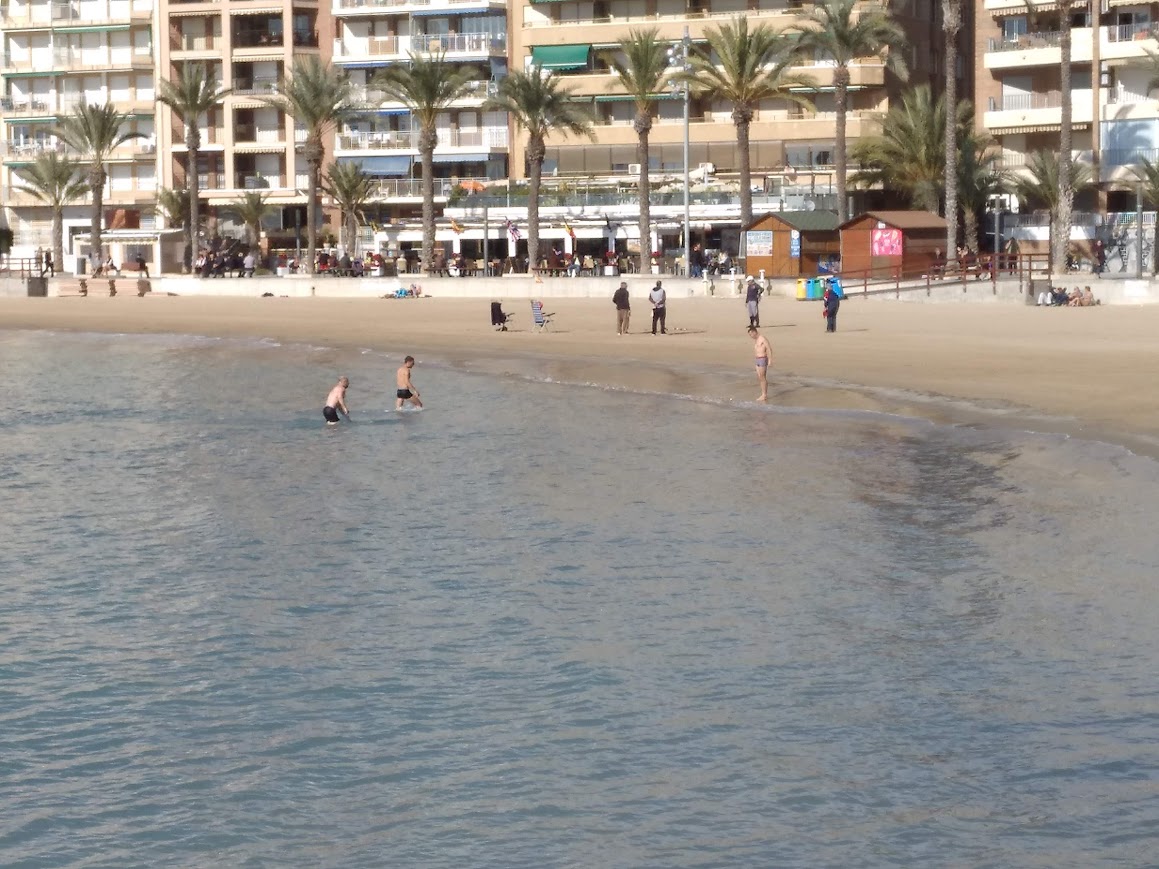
(1115, 117)
(249, 46)
(472, 145)
(56, 54)
(792, 149)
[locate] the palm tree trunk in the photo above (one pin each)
(428, 138)
(351, 228)
(313, 153)
(1066, 191)
(193, 145)
(1154, 248)
(535, 154)
(970, 228)
(951, 23)
(57, 237)
(645, 192)
(840, 101)
(97, 184)
(742, 119)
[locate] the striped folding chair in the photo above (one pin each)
(539, 319)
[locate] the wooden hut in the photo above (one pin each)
(788, 244)
(881, 241)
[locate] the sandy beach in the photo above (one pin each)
(1089, 372)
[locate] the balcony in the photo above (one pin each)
(1129, 41)
(1037, 49)
(1036, 110)
(43, 17)
(66, 59)
(257, 181)
(212, 139)
(462, 46)
(412, 188)
(211, 180)
(486, 139)
(256, 87)
(251, 138)
(669, 27)
(406, 7)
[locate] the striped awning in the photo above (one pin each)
(1035, 128)
(177, 12)
(93, 28)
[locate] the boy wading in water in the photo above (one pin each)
(407, 391)
(336, 401)
(764, 354)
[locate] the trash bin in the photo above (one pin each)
(835, 284)
(814, 290)
(802, 289)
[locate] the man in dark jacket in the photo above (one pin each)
(752, 300)
(623, 308)
(831, 301)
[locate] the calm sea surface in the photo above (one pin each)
(540, 625)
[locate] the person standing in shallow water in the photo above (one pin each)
(407, 391)
(336, 401)
(764, 355)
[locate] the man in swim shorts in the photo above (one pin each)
(336, 401)
(407, 391)
(764, 355)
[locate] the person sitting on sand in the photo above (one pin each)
(1089, 300)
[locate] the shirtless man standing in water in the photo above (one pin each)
(407, 391)
(764, 355)
(336, 401)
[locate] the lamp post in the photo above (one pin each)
(678, 56)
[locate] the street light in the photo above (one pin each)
(678, 56)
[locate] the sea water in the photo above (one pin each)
(539, 625)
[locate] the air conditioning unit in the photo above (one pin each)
(707, 168)
(634, 168)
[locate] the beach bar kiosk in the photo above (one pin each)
(790, 244)
(881, 242)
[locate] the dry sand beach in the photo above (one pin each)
(1082, 371)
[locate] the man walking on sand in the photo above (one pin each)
(623, 308)
(407, 391)
(764, 355)
(659, 300)
(753, 301)
(336, 401)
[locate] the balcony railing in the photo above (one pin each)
(66, 58)
(257, 86)
(1115, 157)
(251, 135)
(1131, 32)
(1025, 102)
(256, 181)
(393, 4)
(257, 38)
(412, 188)
(211, 180)
(393, 46)
(408, 140)
(70, 13)
(189, 42)
(1026, 41)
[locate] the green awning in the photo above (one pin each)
(33, 73)
(561, 56)
(47, 119)
(92, 28)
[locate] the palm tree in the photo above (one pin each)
(844, 31)
(979, 180)
(56, 181)
(1061, 232)
(251, 208)
(1148, 175)
(908, 155)
(350, 188)
(951, 25)
(538, 104)
(318, 97)
(1041, 185)
(95, 132)
(191, 95)
(745, 67)
(428, 85)
(642, 73)
(173, 205)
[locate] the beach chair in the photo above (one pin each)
(539, 319)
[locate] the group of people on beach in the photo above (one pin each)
(1058, 297)
(405, 392)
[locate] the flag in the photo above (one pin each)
(513, 231)
(457, 227)
(569, 231)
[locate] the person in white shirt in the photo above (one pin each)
(659, 300)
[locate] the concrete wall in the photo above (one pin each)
(12, 288)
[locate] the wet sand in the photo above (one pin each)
(1089, 372)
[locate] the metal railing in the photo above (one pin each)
(391, 4)
(392, 46)
(408, 140)
(1026, 41)
(1115, 157)
(257, 86)
(1023, 102)
(1131, 32)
